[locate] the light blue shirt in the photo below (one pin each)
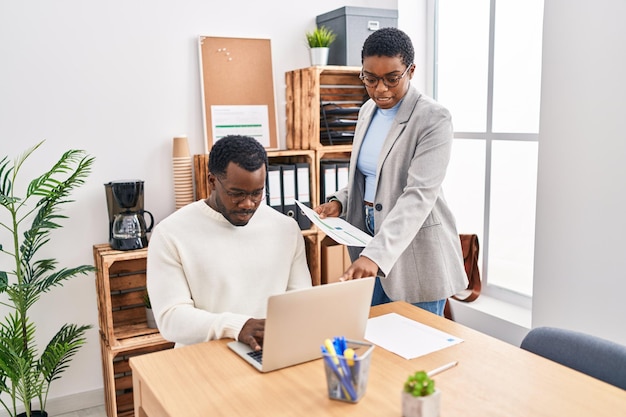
(371, 147)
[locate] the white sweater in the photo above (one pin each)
(206, 277)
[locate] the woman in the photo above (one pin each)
(400, 153)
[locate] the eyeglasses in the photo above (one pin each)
(239, 196)
(389, 81)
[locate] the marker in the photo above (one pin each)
(337, 372)
(344, 381)
(349, 355)
(442, 368)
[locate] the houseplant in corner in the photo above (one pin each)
(319, 41)
(26, 371)
(419, 396)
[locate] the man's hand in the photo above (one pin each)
(330, 209)
(252, 333)
(361, 268)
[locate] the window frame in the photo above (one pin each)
(489, 137)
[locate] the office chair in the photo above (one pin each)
(596, 357)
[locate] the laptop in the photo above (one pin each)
(299, 321)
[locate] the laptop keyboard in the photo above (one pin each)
(257, 355)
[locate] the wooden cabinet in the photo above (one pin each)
(322, 99)
(322, 108)
(120, 285)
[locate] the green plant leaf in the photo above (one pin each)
(419, 384)
(4, 281)
(24, 374)
(321, 37)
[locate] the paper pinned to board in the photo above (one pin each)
(405, 337)
(337, 229)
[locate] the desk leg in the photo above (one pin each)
(139, 412)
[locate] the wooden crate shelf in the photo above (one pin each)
(118, 382)
(307, 89)
(121, 284)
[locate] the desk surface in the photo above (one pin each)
(493, 378)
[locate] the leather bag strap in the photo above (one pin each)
(469, 244)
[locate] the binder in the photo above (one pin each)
(274, 194)
(288, 189)
(343, 168)
(303, 193)
(328, 180)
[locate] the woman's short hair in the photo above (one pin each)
(389, 42)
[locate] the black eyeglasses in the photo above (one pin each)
(239, 196)
(389, 81)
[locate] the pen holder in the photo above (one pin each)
(346, 378)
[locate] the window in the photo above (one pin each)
(487, 72)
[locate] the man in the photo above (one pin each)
(212, 264)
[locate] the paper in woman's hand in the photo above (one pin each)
(337, 229)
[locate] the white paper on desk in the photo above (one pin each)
(405, 337)
(337, 229)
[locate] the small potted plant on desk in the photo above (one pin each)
(419, 396)
(319, 43)
(26, 371)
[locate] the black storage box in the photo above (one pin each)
(352, 26)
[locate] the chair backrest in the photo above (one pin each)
(594, 356)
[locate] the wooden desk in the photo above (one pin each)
(493, 378)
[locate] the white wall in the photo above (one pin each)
(580, 255)
(121, 79)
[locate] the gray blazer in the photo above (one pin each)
(416, 244)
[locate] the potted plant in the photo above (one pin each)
(319, 41)
(26, 371)
(419, 396)
(149, 313)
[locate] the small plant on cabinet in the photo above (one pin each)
(321, 37)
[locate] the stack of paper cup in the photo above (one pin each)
(183, 177)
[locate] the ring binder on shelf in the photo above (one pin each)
(274, 195)
(303, 193)
(288, 189)
(328, 180)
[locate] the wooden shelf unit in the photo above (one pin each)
(307, 89)
(120, 285)
(118, 379)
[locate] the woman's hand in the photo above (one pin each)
(330, 209)
(361, 268)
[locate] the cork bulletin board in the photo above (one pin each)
(238, 89)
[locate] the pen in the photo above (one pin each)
(442, 368)
(346, 386)
(343, 377)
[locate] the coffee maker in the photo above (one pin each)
(127, 225)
